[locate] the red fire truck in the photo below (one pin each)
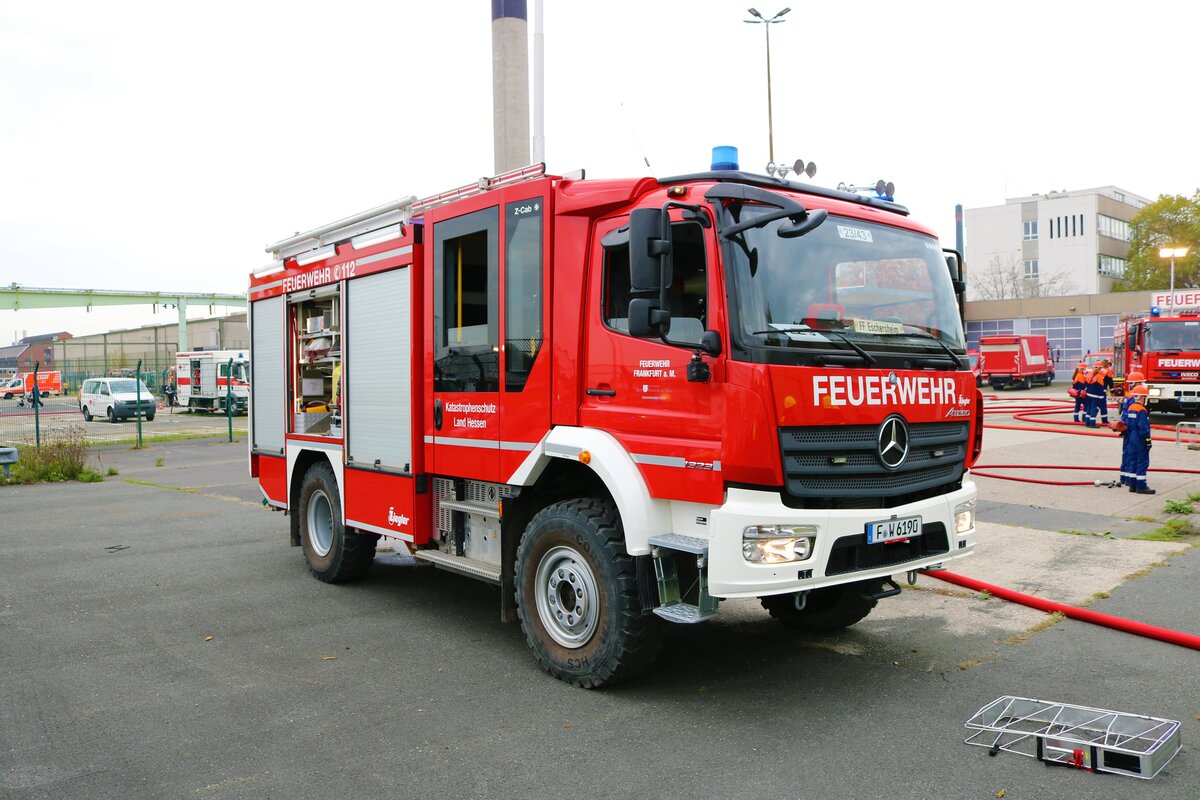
(1016, 360)
(621, 401)
(1166, 349)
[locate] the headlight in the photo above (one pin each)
(1155, 392)
(777, 544)
(964, 518)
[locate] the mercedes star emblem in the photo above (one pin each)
(893, 442)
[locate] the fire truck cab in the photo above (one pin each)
(1166, 349)
(621, 401)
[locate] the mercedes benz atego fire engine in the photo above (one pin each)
(622, 401)
(1166, 349)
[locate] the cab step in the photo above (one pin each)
(460, 564)
(664, 550)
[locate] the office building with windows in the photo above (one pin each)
(1048, 264)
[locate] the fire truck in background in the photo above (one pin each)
(21, 384)
(1016, 360)
(622, 401)
(204, 379)
(1166, 349)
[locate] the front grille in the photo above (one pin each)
(853, 554)
(837, 466)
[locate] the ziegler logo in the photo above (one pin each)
(698, 465)
(399, 520)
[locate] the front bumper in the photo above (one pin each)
(1180, 397)
(839, 554)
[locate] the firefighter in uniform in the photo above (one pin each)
(1137, 439)
(1079, 386)
(1101, 375)
(1133, 380)
(1095, 396)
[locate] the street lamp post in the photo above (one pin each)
(1172, 253)
(759, 19)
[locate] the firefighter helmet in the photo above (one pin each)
(1140, 389)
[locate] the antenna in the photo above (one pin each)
(636, 139)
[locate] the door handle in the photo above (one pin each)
(594, 392)
(437, 414)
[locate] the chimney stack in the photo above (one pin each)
(510, 84)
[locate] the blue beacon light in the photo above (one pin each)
(724, 157)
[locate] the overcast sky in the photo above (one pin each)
(160, 146)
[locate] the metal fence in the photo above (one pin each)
(25, 423)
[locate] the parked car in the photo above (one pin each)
(115, 399)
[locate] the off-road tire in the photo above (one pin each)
(87, 415)
(583, 539)
(333, 553)
(825, 610)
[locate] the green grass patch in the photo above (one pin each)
(169, 437)
(113, 472)
(1073, 532)
(1179, 507)
(62, 457)
(1194, 497)
(1143, 518)
(1175, 530)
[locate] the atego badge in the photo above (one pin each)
(893, 442)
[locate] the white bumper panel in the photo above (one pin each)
(730, 575)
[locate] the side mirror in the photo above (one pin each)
(646, 319)
(954, 263)
(710, 342)
(649, 250)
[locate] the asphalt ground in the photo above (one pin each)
(158, 638)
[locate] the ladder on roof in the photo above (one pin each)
(397, 212)
(1076, 736)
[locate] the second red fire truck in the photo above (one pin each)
(1166, 349)
(622, 401)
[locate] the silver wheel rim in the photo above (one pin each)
(568, 602)
(320, 523)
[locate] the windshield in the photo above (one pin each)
(128, 385)
(240, 371)
(846, 282)
(1173, 335)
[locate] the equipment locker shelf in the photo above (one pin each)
(318, 355)
(1076, 736)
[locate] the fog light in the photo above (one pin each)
(777, 544)
(1155, 392)
(964, 518)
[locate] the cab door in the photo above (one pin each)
(463, 350)
(638, 389)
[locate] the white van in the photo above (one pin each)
(114, 399)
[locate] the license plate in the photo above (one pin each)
(889, 530)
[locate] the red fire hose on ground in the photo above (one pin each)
(1022, 413)
(1074, 612)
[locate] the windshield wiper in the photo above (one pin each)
(863, 354)
(927, 335)
(867, 357)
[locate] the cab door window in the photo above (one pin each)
(687, 296)
(522, 291)
(466, 299)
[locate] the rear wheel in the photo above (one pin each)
(577, 596)
(825, 610)
(334, 554)
(1026, 383)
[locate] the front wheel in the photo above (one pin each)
(87, 415)
(112, 415)
(577, 596)
(825, 610)
(334, 555)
